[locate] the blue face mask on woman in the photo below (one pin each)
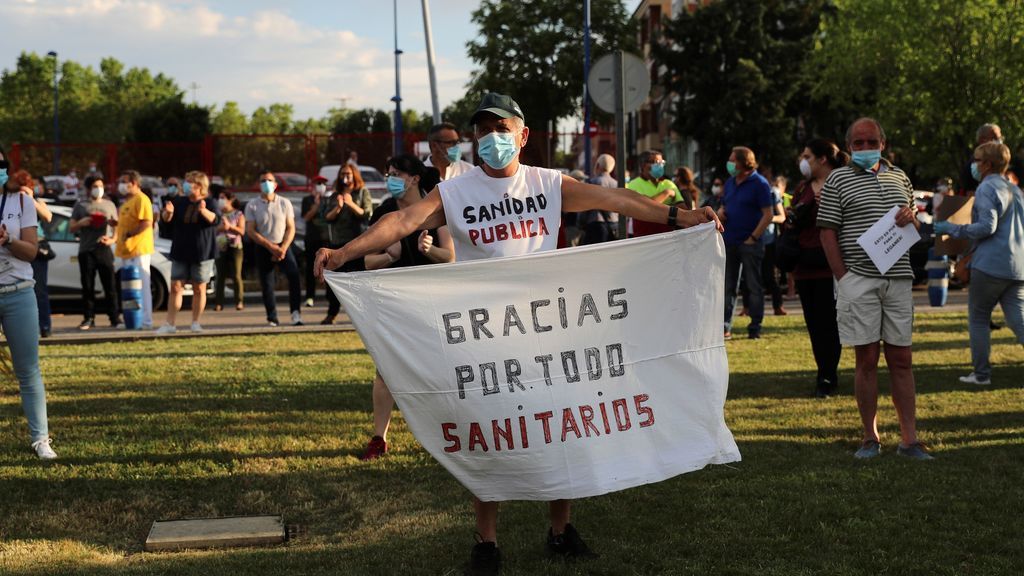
(3, 177)
(396, 186)
(866, 159)
(975, 173)
(498, 149)
(186, 188)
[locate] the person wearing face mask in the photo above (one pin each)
(997, 262)
(653, 184)
(229, 250)
(812, 274)
(409, 180)
(600, 225)
(310, 211)
(445, 154)
(501, 133)
(193, 229)
(343, 216)
(872, 307)
(747, 210)
(23, 180)
(93, 220)
(986, 133)
(715, 199)
(18, 313)
(135, 236)
(270, 224)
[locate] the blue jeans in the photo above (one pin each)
(983, 293)
(20, 319)
(41, 272)
(268, 278)
(748, 258)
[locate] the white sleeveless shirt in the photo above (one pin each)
(494, 217)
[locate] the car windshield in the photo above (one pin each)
(295, 179)
(371, 176)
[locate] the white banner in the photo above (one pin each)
(563, 374)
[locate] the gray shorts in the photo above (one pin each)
(200, 273)
(872, 309)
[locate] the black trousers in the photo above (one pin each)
(312, 245)
(819, 303)
(99, 261)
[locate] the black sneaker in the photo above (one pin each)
(87, 324)
(568, 545)
(485, 560)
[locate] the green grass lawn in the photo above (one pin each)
(274, 424)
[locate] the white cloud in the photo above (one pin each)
(255, 58)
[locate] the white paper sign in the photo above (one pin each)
(563, 374)
(885, 242)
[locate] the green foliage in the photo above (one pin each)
(935, 70)
(532, 50)
(171, 121)
(738, 66)
(274, 424)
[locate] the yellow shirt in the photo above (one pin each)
(134, 210)
(647, 188)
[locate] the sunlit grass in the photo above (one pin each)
(274, 424)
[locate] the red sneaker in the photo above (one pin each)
(375, 449)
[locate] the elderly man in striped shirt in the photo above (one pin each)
(872, 307)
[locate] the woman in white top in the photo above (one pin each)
(18, 311)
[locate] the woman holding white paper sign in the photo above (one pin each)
(997, 263)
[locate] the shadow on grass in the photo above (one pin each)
(203, 353)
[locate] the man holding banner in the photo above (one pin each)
(502, 209)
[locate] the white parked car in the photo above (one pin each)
(375, 182)
(64, 280)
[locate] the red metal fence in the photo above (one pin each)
(237, 158)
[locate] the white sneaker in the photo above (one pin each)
(309, 302)
(972, 378)
(43, 450)
(296, 318)
(166, 329)
(272, 323)
(197, 328)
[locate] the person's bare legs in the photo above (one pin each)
(198, 300)
(383, 402)
(559, 510)
(865, 385)
(177, 291)
(486, 520)
(904, 397)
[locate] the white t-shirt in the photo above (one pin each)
(457, 168)
(19, 212)
(494, 217)
(270, 217)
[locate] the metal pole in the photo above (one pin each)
(586, 89)
(430, 61)
(56, 116)
(620, 127)
(398, 90)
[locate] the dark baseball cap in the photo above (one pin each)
(500, 105)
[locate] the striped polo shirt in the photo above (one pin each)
(852, 200)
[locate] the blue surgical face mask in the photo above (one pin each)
(186, 188)
(454, 153)
(172, 189)
(3, 177)
(396, 186)
(975, 173)
(498, 149)
(267, 187)
(866, 159)
(730, 167)
(657, 170)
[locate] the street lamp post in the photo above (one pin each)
(398, 91)
(56, 115)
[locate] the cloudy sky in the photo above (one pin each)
(257, 52)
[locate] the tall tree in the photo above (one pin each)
(532, 50)
(737, 65)
(229, 120)
(937, 69)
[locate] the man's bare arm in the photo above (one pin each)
(578, 196)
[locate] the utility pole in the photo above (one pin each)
(194, 87)
(56, 114)
(586, 89)
(430, 61)
(398, 90)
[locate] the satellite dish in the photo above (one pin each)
(636, 80)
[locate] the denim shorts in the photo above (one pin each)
(200, 273)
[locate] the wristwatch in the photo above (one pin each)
(673, 211)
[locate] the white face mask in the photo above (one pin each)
(716, 190)
(122, 188)
(321, 188)
(96, 192)
(222, 203)
(805, 167)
